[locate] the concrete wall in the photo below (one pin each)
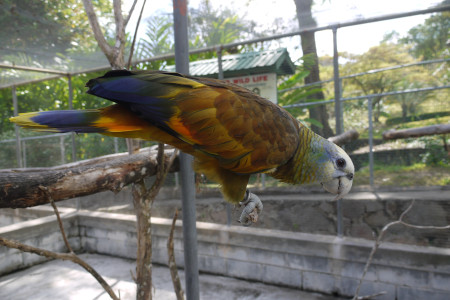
(312, 262)
(291, 209)
(42, 232)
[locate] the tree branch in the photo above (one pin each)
(21, 188)
(345, 137)
(143, 200)
(120, 26)
(416, 132)
(130, 57)
(172, 264)
(64, 256)
(380, 237)
(60, 223)
(131, 12)
(100, 38)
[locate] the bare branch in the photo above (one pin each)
(58, 217)
(172, 264)
(345, 137)
(131, 12)
(102, 43)
(130, 57)
(380, 237)
(416, 132)
(64, 256)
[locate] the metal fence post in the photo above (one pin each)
(187, 174)
(63, 149)
(337, 86)
(74, 152)
(369, 108)
(16, 129)
(339, 216)
(24, 154)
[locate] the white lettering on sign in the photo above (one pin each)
(264, 85)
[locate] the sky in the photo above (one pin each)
(355, 39)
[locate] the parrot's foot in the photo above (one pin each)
(252, 207)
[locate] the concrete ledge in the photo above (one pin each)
(321, 263)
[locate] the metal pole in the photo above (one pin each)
(220, 76)
(63, 149)
(16, 129)
(74, 152)
(24, 153)
(116, 145)
(187, 174)
(369, 108)
(340, 227)
(337, 86)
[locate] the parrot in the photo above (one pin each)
(231, 132)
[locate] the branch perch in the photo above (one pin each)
(21, 187)
(345, 137)
(416, 132)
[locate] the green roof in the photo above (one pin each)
(270, 61)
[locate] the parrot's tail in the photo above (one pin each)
(108, 120)
(61, 121)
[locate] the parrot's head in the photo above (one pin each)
(335, 169)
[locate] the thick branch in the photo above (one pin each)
(21, 188)
(102, 43)
(118, 17)
(416, 132)
(345, 137)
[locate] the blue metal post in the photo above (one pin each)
(187, 174)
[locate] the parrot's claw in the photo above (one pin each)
(252, 207)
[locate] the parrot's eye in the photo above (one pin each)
(340, 162)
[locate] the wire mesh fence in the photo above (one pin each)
(417, 163)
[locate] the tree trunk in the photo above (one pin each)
(308, 43)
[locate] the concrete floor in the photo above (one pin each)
(65, 280)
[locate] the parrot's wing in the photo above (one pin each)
(244, 132)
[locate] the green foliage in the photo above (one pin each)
(296, 93)
(436, 154)
(429, 40)
(399, 120)
(159, 40)
(209, 26)
(44, 32)
(419, 174)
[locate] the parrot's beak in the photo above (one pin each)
(340, 185)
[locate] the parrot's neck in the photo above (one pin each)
(303, 166)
